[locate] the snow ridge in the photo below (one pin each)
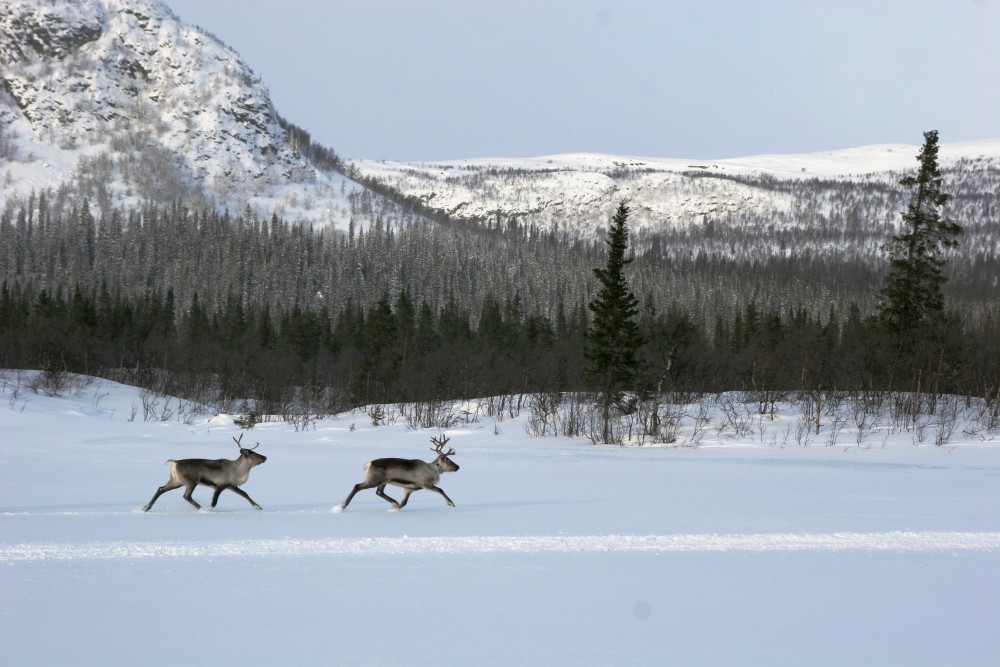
(579, 192)
(898, 541)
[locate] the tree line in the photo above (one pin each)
(396, 309)
(399, 350)
(711, 270)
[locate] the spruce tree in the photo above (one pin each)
(613, 339)
(912, 296)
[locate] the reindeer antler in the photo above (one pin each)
(238, 440)
(439, 444)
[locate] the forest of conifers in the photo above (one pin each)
(231, 308)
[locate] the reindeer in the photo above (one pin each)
(220, 474)
(410, 474)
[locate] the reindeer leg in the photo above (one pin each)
(381, 491)
(441, 491)
(406, 496)
(237, 490)
(357, 487)
(218, 492)
(187, 495)
(159, 492)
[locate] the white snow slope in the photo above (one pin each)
(126, 81)
(558, 552)
(579, 192)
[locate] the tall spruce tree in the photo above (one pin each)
(912, 296)
(613, 339)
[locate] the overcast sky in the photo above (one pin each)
(417, 80)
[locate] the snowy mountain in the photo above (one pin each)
(120, 102)
(123, 102)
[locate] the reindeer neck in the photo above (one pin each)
(244, 461)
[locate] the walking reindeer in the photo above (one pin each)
(220, 474)
(409, 474)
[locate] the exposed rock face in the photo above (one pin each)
(128, 76)
(49, 31)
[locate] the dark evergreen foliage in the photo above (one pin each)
(613, 339)
(230, 354)
(223, 308)
(912, 298)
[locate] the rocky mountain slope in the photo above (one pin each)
(124, 102)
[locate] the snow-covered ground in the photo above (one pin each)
(754, 551)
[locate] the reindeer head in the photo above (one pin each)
(443, 463)
(249, 453)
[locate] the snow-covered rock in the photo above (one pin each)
(175, 110)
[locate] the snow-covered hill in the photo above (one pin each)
(124, 102)
(579, 192)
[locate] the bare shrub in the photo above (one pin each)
(946, 419)
(301, 421)
(701, 421)
(150, 405)
(503, 406)
(737, 416)
(837, 423)
(470, 414)
(15, 385)
(985, 414)
(593, 427)
(921, 424)
(765, 399)
(430, 414)
(543, 414)
(572, 415)
(52, 380)
(866, 413)
(662, 418)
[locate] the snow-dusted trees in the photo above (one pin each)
(734, 299)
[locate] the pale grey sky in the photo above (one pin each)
(417, 80)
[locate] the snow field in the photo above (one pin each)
(892, 541)
(557, 552)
